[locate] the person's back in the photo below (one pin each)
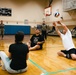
(18, 52)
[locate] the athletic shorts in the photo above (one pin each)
(69, 52)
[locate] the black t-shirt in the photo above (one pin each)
(18, 55)
(34, 39)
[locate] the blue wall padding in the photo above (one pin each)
(12, 29)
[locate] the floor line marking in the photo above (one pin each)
(43, 70)
(50, 73)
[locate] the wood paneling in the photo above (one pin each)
(46, 58)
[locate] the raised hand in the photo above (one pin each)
(58, 22)
(54, 23)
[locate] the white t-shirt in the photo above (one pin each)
(67, 40)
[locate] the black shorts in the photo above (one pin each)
(68, 53)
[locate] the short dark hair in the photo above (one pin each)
(19, 36)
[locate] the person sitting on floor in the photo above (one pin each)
(18, 54)
(36, 41)
(66, 36)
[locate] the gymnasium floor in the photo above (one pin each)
(43, 61)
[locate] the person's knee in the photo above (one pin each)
(58, 53)
(73, 57)
(37, 47)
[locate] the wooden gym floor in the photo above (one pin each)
(46, 61)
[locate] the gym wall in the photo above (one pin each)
(31, 10)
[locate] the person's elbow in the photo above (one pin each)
(27, 56)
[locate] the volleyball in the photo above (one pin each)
(57, 14)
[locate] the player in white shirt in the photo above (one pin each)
(70, 51)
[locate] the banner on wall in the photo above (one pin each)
(5, 12)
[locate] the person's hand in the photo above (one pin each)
(54, 23)
(58, 22)
(38, 43)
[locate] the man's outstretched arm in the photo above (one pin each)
(56, 28)
(63, 25)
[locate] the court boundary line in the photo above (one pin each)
(66, 70)
(50, 73)
(43, 70)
